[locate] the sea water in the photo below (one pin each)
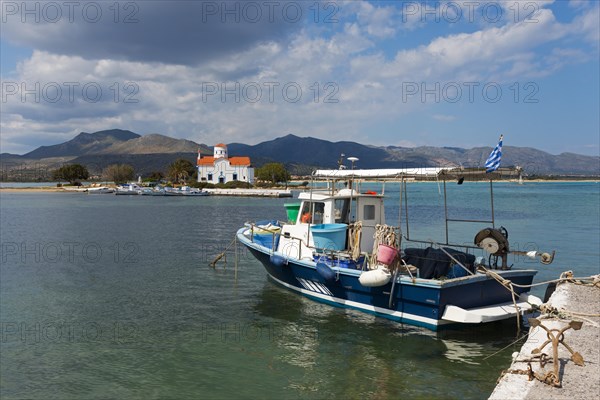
(112, 297)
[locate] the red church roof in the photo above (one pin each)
(240, 161)
(243, 161)
(206, 161)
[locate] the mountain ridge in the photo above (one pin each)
(318, 152)
(155, 143)
(152, 152)
(83, 143)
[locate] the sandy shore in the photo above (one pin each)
(32, 190)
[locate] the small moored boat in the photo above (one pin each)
(128, 189)
(188, 191)
(338, 249)
(100, 190)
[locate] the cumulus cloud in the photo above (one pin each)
(588, 24)
(494, 53)
(170, 32)
(239, 81)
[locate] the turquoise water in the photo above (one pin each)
(112, 297)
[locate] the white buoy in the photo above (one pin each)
(374, 278)
(532, 254)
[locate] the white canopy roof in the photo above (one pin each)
(418, 173)
(378, 173)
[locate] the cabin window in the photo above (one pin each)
(344, 214)
(369, 212)
(312, 212)
(341, 210)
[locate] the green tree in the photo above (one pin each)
(180, 170)
(119, 173)
(273, 172)
(71, 172)
(156, 176)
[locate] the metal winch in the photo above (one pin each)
(495, 242)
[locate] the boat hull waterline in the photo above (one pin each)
(423, 302)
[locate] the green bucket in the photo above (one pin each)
(292, 210)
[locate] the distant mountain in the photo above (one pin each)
(143, 164)
(310, 151)
(301, 155)
(116, 141)
(155, 144)
(8, 157)
(293, 150)
(84, 143)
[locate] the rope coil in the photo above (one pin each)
(354, 236)
(384, 234)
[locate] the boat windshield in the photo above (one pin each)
(312, 212)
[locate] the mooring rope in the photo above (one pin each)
(508, 284)
(577, 281)
(384, 234)
(354, 240)
(507, 346)
(544, 308)
(552, 313)
(595, 281)
(223, 254)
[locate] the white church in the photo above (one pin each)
(220, 168)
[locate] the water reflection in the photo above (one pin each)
(365, 355)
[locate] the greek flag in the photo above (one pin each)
(493, 161)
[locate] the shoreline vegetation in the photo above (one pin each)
(291, 186)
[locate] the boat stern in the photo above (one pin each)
(478, 315)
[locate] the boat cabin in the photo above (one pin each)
(340, 209)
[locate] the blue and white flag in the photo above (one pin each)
(493, 161)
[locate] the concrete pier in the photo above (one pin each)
(578, 382)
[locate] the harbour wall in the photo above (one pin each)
(569, 302)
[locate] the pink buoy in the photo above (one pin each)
(386, 254)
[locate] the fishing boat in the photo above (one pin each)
(157, 191)
(128, 189)
(100, 190)
(188, 191)
(171, 191)
(336, 248)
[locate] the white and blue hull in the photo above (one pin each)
(428, 303)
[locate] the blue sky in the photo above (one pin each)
(402, 73)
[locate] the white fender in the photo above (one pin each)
(374, 278)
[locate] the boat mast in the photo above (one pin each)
(446, 211)
(492, 201)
